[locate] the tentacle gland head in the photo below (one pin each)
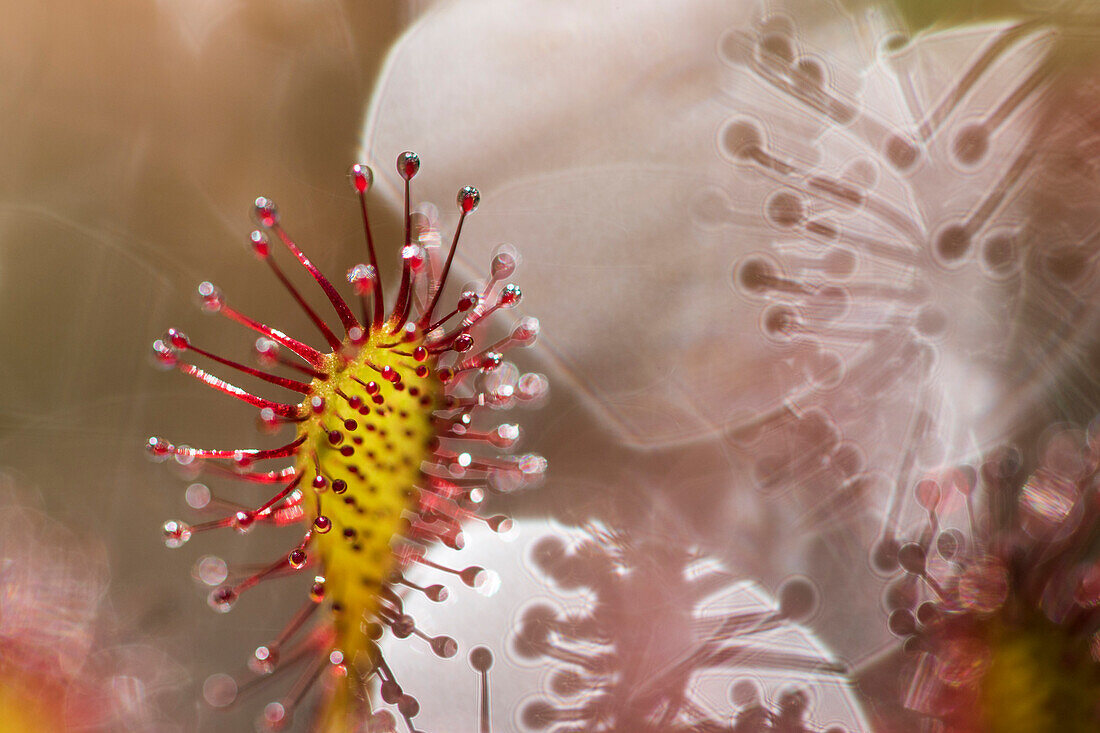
(391, 453)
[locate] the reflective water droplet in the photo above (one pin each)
(264, 660)
(468, 199)
(505, 260)
(785, 209)
(912, 559)
(222, 599)
(463, 343)
(408, 164)
(361, 177)
(971, 144)
(741, 139)
(798, 598)
(210, 297)
(259, 243)
(219, 690)
(951, 244)
(510, 296)
(265, 211)
(481, 659)
(901, 153)
(211, 570)
(444, 646)
(176, 533)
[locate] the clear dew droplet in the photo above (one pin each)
(469, 299)
(390, 692)
(755, 275)
(403, 626)
(798, 598)
(468, 199)
(971, 144)
(745, 692)
(176, 533)
(500, 523)
(211, 570)
(510, 296)
(362, 277)
(197, 496)
(740, 139)
(491, 361)
(265, 212)
(222, 599)
(361, 177)
(911, 557)
(901, 153)
(902, 622)
(408, 706)
(219, 690)
(437, 593)
(481, 659)
(532, 386)
(1000, 255)
(506, 435)
(780, 322)
(444, 647)
(504, 262)
(164, 355)
(471, 575)
(785, 209)
(776, 48)
(408, 164)
(210, 297)
(463, 343)
(951, 244)
(264, 660)
(274, 717)
(259, 243)
(949, 543)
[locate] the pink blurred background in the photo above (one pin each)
(137, 132)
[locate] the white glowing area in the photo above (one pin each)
(634, 613)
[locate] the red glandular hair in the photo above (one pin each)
(391, 453)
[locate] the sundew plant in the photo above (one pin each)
(392, 452)
(816, 292)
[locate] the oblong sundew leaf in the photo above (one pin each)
(390, 451)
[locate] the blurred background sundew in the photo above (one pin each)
(136, 133)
